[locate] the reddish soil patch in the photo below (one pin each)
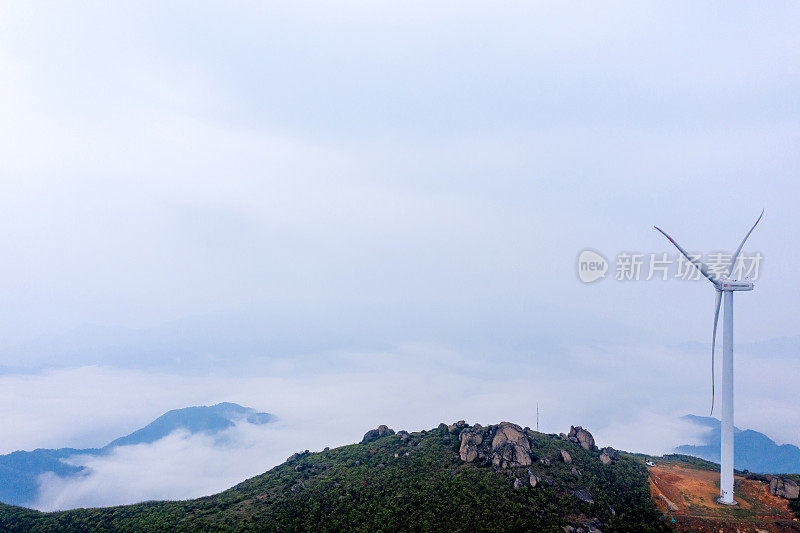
(686, 496)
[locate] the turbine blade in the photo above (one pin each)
(739, 249)
(713, 345)
(696, 262)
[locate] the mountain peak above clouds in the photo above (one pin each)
(200, 419)
(752, 450)
(21, 470)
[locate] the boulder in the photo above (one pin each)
(296, 456)
(578, 435)
(518, 483)
(607, 455)
(566, 456)
(471, 444)
(533, 479)
(784, 487)
(510, 446)
(545, 461)
(584, 496)
(504, 445)
(373, 434)
(576, 472)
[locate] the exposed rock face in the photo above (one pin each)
(607, 455)
(456, 427)
(403, 434)
(583, 496)
(373, 434)
(471, 441)
(566, 456)
(510, 446)
(505, 445)
(578, 435)
(784, 487)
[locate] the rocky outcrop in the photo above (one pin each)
(296, 456)
(533, 478)
(566, 456)
(456, 426)
(578, 435)
(373, 434)
(472, 447)
(584, 496)
(510, 446)
(403, 434)
(608, 455)
(505, 445)
(784, 487)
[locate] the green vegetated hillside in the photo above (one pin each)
(401, 482)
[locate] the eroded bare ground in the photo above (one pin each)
(686, 496)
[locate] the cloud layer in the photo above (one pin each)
(629, 397)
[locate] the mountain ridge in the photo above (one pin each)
(451, 478)
(20, 470)
(753, 451)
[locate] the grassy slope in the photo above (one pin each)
(430, 490)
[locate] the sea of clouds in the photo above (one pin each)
(629, 397)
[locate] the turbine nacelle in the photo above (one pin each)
(726, 284)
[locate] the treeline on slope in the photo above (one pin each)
(391, 484)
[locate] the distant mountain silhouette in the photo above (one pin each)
(752, 450)
(20, 471)
(202, 419)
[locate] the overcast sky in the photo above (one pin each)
(206, 189)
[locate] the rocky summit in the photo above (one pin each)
(504, 445)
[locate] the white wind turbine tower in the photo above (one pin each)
(726, 286)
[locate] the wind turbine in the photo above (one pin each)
(723, 285)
